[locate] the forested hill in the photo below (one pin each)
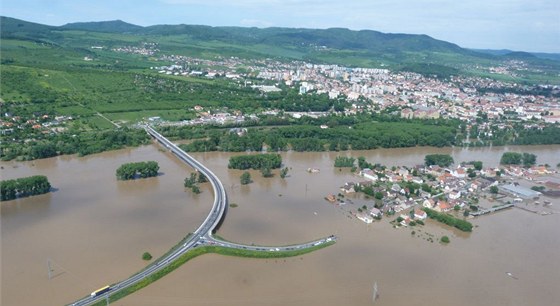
(317, 39)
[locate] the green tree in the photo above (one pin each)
(266, 172)
(190, 180)
(511, 158)
(245, 178)
(195, 189)
(529, 159)
(445, 239)
(146, 256)
(477, 165)
(284, 172)
(342, 161)
(494, 189)
(202, 178)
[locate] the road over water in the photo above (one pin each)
(202, 235)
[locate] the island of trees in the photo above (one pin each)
(190, 181)
(245, 178)
(442, 160)
(342, 161)
(257, 162)
(130, 171)
(514, 158)
(24, 187)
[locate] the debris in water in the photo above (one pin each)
(511, 275)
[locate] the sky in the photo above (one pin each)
(520, 25)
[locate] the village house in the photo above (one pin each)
(429, 203)
(364, 217)
(369, 174)
(375, 212)
(420, 214)
(459, 172)
(454, 194)
(540, 170)
(348, 188)
(406, 220)
(488, 172)
(443, 206)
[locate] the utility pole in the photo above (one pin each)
(49, 268)
(375, 292)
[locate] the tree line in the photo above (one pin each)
(83, 143)
(305, 138)
(130, 171)
(24, 187)
(462, 225)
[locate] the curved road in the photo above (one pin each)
(203, 235)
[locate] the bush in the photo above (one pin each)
(445, 239)
(146, 256)
(245, 178)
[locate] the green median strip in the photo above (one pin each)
(203, 250)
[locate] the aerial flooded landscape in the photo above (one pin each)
(239, 161)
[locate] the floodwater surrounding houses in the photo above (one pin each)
(94, 229)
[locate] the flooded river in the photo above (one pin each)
(93, 230)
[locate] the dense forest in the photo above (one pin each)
(301, 138)
(83, 143)
(24, 187)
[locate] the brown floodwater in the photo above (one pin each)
(93, 229)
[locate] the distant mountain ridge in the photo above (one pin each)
(365, 48)
(511, 53)
(337, 38)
